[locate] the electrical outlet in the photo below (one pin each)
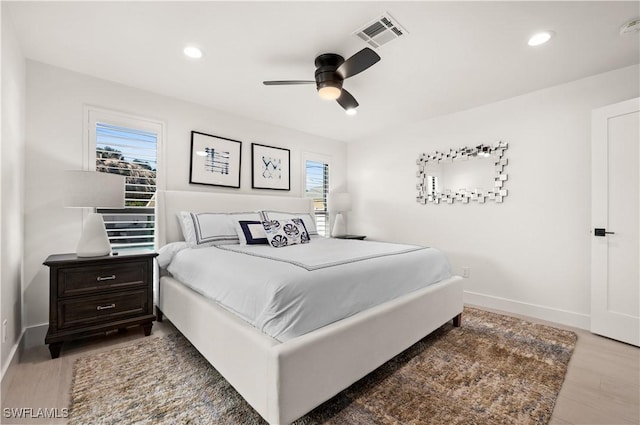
(4, 330)
(465, 272)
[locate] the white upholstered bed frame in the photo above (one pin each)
(283, 381)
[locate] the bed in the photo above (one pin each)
(284, 378)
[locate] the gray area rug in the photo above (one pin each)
(493, 370)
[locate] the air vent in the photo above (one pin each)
(380, 31)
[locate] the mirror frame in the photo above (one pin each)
(497, 193)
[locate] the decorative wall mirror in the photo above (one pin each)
(464, 174)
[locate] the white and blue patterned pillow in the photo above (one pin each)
(285, 232)
(307, 218)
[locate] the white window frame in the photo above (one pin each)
(94, 115)
(325, 159)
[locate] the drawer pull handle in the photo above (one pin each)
(105, 307)
(102, 278)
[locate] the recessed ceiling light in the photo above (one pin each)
(540, 38)
(193, 52)
(351, 111)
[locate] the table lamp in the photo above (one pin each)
(340, 203)
(93, 189)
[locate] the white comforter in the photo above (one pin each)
(287, 292)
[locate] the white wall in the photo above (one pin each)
(11, 187)
(56, 98)
(529, 255)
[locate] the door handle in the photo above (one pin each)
(602, 232)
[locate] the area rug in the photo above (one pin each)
(494, 369)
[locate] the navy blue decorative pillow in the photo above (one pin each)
(251, 233)
(285, 232)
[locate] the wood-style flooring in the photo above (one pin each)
(602, 385)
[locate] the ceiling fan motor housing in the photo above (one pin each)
(326, 75)
(331, 70)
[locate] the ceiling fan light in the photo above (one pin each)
(329, 92)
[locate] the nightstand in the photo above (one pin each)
(359, 237)
(92, 295)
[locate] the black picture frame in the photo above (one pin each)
(270, 167)
(215, 160)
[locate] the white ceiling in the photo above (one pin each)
(457, 55)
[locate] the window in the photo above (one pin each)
(131, 152)
(317, 188)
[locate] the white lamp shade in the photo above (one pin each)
(340, 202)
(93, 189)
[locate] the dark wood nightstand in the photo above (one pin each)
(91, 295)
(359, 237)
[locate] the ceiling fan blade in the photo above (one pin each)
(287, 82)
(347, 101)
(358, 63)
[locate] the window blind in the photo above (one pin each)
(317, 188)
(131, 153)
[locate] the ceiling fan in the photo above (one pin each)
(331, 71)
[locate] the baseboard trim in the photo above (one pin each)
(34, 335)
(563, 317)
(29, 337)
(13, 358)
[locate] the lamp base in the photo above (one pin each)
(93, 241)
(339, 228)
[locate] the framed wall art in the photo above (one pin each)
(215, 160)
(270, 167)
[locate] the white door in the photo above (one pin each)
(615, 216)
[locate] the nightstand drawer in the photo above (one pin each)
(85, 280)
(83, 311)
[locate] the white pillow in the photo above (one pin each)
(282, 233)
(207, 229)
(308, 219)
